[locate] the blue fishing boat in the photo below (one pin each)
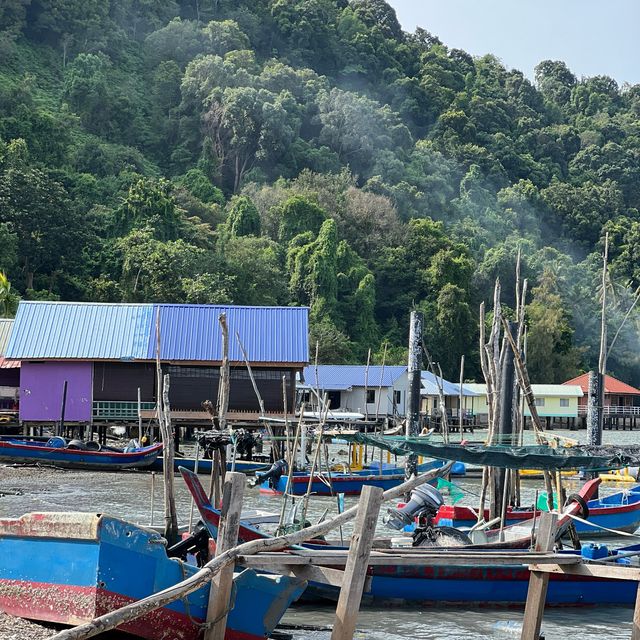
(248, 467)
(69, 568)
(325, 484)
(618, 512)
(57, 452)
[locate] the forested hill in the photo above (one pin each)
(309, 152)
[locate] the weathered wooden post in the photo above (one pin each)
(221, 585)
(412, 428)
(539, 581)
(139, 417)
(505, 422)
(635, 631)
(594, 435)
(355, 570)
(63, 409)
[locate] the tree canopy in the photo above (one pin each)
(311, 152)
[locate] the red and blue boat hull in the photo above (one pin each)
(71, 568)
(24, 452)
(619, 511)
(348, 483)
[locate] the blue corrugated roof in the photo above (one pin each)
(94, 331)
(430, 386)
(338, 377)
(269, 334)
(80, 330)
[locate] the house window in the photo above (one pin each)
(539, 402)
(371, 396)
(397, 397)
(564, 402)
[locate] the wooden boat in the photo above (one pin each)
(248, 467)
(69, 568)
(348, 483)
(57, 452)
(517, 536)
(619, 511)
(488, 583)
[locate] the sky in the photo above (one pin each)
(594, 37)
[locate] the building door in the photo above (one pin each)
(334, 399)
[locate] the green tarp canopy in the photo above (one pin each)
(590, 458)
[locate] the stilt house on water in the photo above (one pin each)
(373, 391)
(9, 372)
(105, 352)
(621, 401)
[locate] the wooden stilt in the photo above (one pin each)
(356, 568)
(538, 582)
(221, 585)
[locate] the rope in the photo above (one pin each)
(599, 526)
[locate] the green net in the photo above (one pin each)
(454, 492)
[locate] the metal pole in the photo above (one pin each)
(414, 367)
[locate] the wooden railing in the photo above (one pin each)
(614, 410)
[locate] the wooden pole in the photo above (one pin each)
(366, 386)
(460, 398)
(539, 581)
(355, 570)
(225, 384)
(139, 417)
(63, 407)
(170, 515)
(220, 592)
(414, 368)
(635, 631)
(135, 610)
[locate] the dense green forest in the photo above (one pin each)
(310, 152)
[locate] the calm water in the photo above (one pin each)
(128, 495)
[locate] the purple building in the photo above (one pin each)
(106, 352)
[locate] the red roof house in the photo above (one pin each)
(616, 392)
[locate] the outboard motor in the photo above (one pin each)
(273, 474)
(425, 502)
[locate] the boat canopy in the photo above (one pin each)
(591, 458)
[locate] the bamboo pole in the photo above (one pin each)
(202, 577)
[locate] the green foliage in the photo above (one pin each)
(367, 172)
(243, 217)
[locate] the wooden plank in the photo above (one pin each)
(220, 592)
(355, 571)
(538, 581)
(264, 561)
(615, 572)
(635, 630)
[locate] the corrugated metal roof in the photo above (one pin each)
(430, 386)
(611, 385)
(5, 331)
(9, 364)
(548, 390)
(339, 377)
(94, 331)
(80, 330)
(268, 334)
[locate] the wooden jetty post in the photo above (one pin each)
(356, 568)
(539, 581)
(222, 582)
(413, 392)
